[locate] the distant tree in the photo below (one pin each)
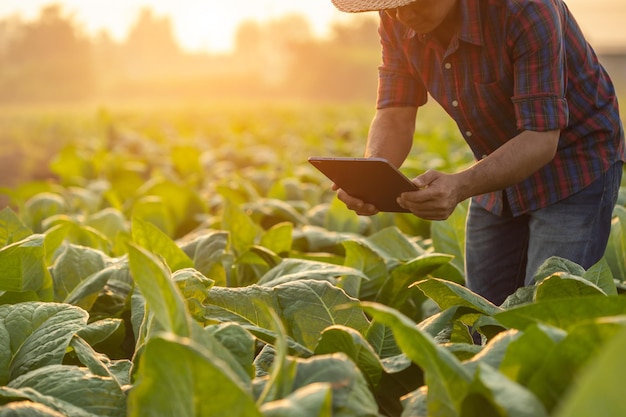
(344, 67)
(151, 49)
(47, 59)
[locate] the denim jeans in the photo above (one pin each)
(503, 253)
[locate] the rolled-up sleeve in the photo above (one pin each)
(538, 55)
(397, 85)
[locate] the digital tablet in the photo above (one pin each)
(373, 180)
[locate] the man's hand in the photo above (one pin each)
(358, 206)
(437, 198)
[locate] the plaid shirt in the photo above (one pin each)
(514, 65)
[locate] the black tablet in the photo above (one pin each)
(373, 180)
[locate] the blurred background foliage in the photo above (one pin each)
(52, 58)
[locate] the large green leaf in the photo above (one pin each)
(183, 203)
(23, 266)
(599, 388)
(74, 265)
(163, 297)
(179, 378)
(529, 352)
(38, 403)
(28, 409)
(562, 364)
(340, 219)
(78, 386)
(396, 290)
(492, 391)
(86, 291)
(12, 229)
(364, 259)
(600, 274)
(351, 395)
(309, 307)
(563, 313)
(210, 254)
(448, 381)
(241, 305)
(150, 237)
(236, 340)
(40, 207)
(449, 236)
(34, 335)
(347, 340)
(448, 294)
(313, 400)
(564, 285)
(393, 245)
(279, 238)
(291, 270)
(244, 232)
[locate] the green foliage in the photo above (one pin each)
(218, 282)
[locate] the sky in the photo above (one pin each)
(209, 25)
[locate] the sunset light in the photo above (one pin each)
(211, 25)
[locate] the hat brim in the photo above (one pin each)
(358, 6)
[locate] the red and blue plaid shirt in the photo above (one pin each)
(514, 65)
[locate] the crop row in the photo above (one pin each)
(162, 278)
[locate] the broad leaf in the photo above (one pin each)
(150, 237)
(449, 236)
(448, 381)
(313, 400)
(562, 365)
(74, 265)
(177, 377)
(599, 389)
(504, 396)
(34, 335)
(393, 245)
(291, 270)
(351, 395)
(563, 313)
(12, 229)
(600, 274)
(350, 342)
(564, 285)
(362, 258)
(23, 266)
(396, 290)
(448, 294)
(308, 307)
(163, 298)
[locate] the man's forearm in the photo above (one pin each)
(391, 134)
(513, 162)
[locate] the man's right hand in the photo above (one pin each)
(358, 206)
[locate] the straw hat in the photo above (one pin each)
(355, 6)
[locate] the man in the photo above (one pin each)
(538, 111)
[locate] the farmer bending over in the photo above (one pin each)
(538, 111)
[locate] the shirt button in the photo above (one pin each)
(447, 65)
(455, 103)
(468, 134)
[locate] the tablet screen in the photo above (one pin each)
(373, 180)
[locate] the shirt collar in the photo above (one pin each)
(471, 28)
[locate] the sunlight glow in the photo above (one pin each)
(209, 25)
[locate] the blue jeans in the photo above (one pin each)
(503, 253)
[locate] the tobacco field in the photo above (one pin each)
(190, 262)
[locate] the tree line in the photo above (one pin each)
(53, 59)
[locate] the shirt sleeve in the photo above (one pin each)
(536, 42)
(397, 86)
